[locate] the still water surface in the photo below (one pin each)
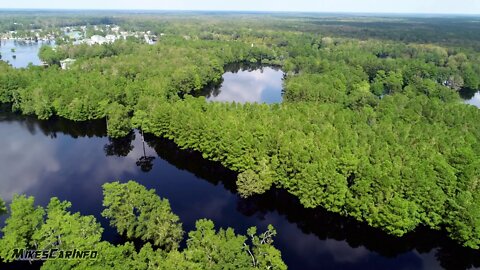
(248, 83)
(25, 53)
(471, 97)
(72, 160)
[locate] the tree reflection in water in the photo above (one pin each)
(316, 222)
(119, 147)
(323, 224)
(145, 162)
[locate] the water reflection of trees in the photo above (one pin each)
(323, 224)
(145, 162)
(193, 162)
(467, 93)
(213, 89)
(247, 66)
(55, 125)
(327, 225)
(120, 147)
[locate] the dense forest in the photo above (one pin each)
(136, 213)
(371, 125)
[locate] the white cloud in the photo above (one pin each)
(35, 164)
(24, 161)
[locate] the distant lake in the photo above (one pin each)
(71, 160)
(248, 83)
(25, 52)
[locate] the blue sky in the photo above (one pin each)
(374, 6)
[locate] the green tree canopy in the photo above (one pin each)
(31, 227)
(140, 213)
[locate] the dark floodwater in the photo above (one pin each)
(471, 97)
(248, 83)
(25, 53)
(72, 160)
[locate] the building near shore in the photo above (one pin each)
(65, 64)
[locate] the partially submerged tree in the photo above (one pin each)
(139, 213)
(223, 249)
(3, 208)
(24, 220)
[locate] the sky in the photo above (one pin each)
(359, 6)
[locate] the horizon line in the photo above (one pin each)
(239, 11)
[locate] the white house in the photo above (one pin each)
(110, 38)
(65, 64)
(96, 39)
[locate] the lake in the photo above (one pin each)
(470, 96)
(25, 53)
(72, 160)
(244, 83)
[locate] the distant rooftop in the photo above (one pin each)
(430, 7)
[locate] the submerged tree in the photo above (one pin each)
(64, 230)
(3, 208)
(24, 220)
(143, 215)
(139, 213)
(223, 249)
